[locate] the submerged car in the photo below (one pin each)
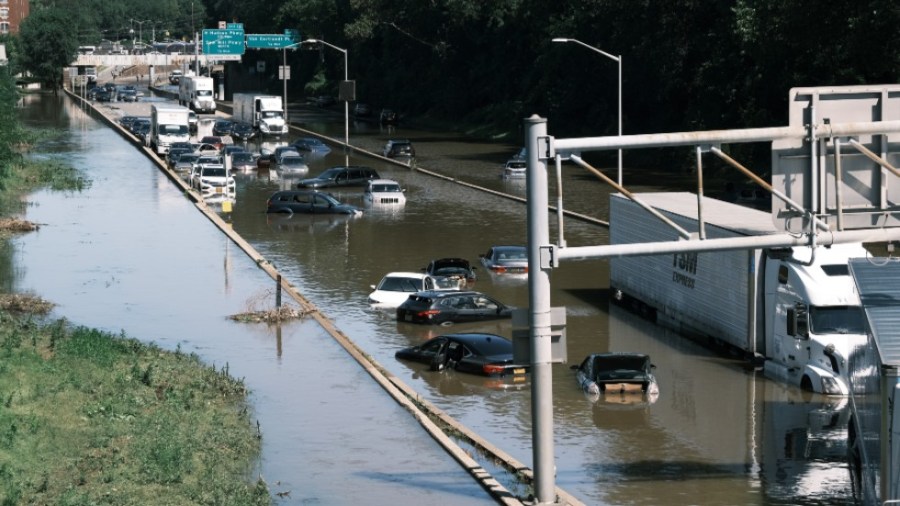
(514, 169)
(384, 191)
(243, 131)
(243, 161)
(399, 148)
(395, 287)
(308, 202)
(446, 307)
(290, 164)
(340, 176)
(619, 374)
(506, 259)
(475, 353)
(310, 145)
(457, 269)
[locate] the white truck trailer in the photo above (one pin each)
(168, 124)
(264, 112)
(873, 434)
(196, 93)
(795, 308)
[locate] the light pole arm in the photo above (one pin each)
(592, 48)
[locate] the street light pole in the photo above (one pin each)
(346, 103)
(617, 59)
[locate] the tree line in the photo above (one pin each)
(686, 64)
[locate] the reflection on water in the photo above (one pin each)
(718, 433)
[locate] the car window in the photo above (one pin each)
(432, 347)
(482, 302)
(302, 198)
(429, 284)
(321, 202)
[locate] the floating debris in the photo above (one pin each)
(284, 313)
(24, 303)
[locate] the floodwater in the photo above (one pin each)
(131, 253)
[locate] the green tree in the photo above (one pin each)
(47, 45)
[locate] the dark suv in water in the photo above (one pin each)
(399, 148)
(353, 175)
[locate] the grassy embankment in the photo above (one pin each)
(88, 417)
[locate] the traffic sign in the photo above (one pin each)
(266, 41)
(228, 41)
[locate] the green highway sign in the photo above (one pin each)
(266, 41)
(220, 42)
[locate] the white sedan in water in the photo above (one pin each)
(395, 287)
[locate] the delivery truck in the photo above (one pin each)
(196, 93)
(264, 112)
(168, 124)
(794, 310)
(873, 434)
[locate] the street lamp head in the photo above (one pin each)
(560, 39)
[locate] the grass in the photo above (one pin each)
(89, 418)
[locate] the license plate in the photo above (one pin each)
(407, 318)
(220, 190)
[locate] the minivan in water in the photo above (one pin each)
(353, 175)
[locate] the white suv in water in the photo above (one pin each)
(213, 179)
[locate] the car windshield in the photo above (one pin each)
(242, 156)
(490, 346)
(400, 284)
(836, 320)
(214, 172)
(330, 173)
(386, 188)
(292, 160)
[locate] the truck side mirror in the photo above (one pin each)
(798, 321)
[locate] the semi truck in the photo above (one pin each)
(794, 310)
(168, 124)
(196, 93)
(264, 112)
(874, 427)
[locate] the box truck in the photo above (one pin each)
(796, 310)
(168, 124)
(264, 112)
(873, 434)
(196, 93)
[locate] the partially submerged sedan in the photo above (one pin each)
(475, 353)
(506, 259)
(618, 377)
(443, 307)
(395, 287)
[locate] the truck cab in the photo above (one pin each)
(813, 316)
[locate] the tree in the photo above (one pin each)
(48, 45)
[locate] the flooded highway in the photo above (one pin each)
(131, 253)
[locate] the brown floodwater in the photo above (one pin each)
(132, 254)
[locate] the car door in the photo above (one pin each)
(320, 205)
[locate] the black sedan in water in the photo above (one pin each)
(446, 307)
(475, 353)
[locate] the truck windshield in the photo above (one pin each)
(271, 114)
(204, 93)
(836, 320)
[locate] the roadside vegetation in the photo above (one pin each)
(91, 418)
